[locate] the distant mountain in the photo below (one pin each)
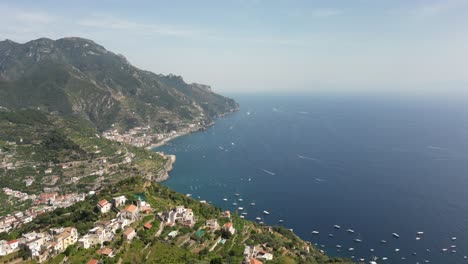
(75, 76)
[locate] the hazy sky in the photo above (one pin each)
(266, 45)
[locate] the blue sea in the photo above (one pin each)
(374, 164)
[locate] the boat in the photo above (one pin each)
(258, 218)
(240, 208)
(330, 235)
(384, 258)
(357, 240)
(225, 199)
(242, 216)
(252, 204)
(244, 213)
(397, 249)
(453, 246)
(350, 231)
(281, 221)
(454, 238)
(396, 235)
(350, 249)
(371, 250)
(240, 199)
(234, 203)
(338, 246)
(266, 212)
(419, 233)
(337, 227)
(383, 241)
(444, 250)
(237, 194)
(261, 223)
(315, 232)
(418, 238)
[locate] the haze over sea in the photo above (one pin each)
(377, 165)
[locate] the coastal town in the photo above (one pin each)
(121, 220)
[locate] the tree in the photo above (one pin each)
(216, 261)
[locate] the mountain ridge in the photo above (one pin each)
(78, 76)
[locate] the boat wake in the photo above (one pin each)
(307, 158)
(269, 172)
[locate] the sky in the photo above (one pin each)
(403, 46)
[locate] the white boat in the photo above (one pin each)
(350, 231)
(261, 223)
(252, 204)
(351, 249)
(240, 208)
(384, 258)
(225, 199)
(420, 233)
(330, 235)
(258, 218)
(397, 249)
(338, 246)
(418, 238)
(315, 232)
(266, 212)
(234, 203)
(396, 235)
(240, 199)
(383, 241)
(242, 216)
(454, 238)
(453, 246)
(244, 213)
(357, 240)
(371, 250)
(281, 221)
(444, 250)
(336, 226)
(237, 194)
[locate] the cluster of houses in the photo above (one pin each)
(42, 245)
(44, 202)
(106, 230)
(253, 254)
(137, 136)
(179, 215)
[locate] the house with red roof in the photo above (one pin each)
(229, 227)
(104, 206)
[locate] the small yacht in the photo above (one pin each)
(237, 194)
(240, 199)
(330, 235)
(234, 203)
(351, 249)
(258, 218)
(357, 240)
(240, 208)
(444, 250)
(383, 241)
(242, 216)
(244, 213)
(420, 233)
(418, 238)
(338, 246)
(371, 250)
(337, 227)
(266, 212)
(350, 231)
(281, 221)
(454, 238)
(315, 232)
(384, 258)
(225, 199)
(252, 204)
(397, 249)
(261, 223)
(396, 235)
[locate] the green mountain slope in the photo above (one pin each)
(78, 76)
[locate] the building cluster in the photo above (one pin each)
(137, 136)
(106, 230)
(253, 254)
(44, 202)
(180, 215)
(42, 245)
